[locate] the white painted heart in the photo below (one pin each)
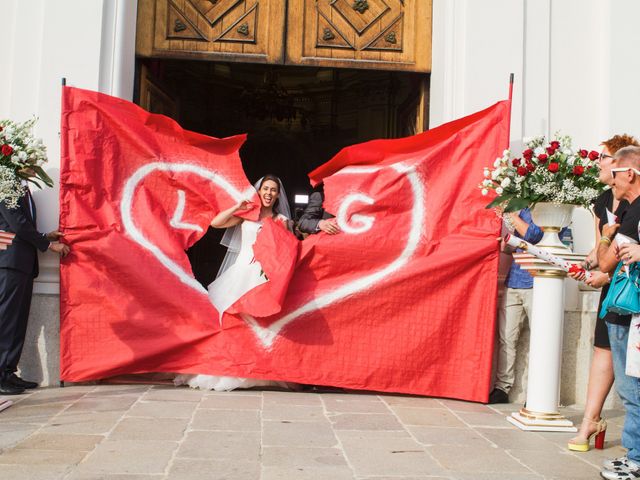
(350, 225)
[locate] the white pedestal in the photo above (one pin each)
(540, 412)
(536, 424)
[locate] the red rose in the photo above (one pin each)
(515, 162)
(583, 153)
(542, 158)
(530, 166)
(555, 145)
(528, 154)
(593, 155)
(553, 167)
(7, 150)
(578, 170)
(522, 171)
(575, 268)
(551, 150)
(1, 128)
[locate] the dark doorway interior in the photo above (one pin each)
(296, 118)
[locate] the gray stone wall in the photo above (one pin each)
(40, 361)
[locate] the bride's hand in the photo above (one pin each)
(242, 206)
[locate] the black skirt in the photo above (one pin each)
(601, 335)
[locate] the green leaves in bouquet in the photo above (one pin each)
(510, 202)
(517, 204)
(42, 176)
(499, 200)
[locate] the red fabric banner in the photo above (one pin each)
(277, 251)
(403, 300)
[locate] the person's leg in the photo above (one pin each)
(600, 382)
(11, 294)
(510, 319)
(629, 390)
(21, 331)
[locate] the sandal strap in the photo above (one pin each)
(601, 423)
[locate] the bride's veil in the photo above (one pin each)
(232, 238)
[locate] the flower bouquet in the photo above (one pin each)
(21, 158)
(546, 172)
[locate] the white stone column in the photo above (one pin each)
(117, 52)
(540, 412)
(545, 354)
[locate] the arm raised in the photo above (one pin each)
(227, 218)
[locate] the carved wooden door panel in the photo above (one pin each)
(155, 99)
(393, 34)
(230, 30)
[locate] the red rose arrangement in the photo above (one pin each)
(22, 157)
(545, 172)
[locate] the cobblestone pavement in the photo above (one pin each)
(156, 432)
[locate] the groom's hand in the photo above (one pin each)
(55, 235)
(329, 226)
(59, 248)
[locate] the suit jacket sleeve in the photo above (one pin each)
(312, 215)
(23, 227)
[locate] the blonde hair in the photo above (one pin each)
(628, 155)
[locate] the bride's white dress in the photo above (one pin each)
(244, 275)
(241, 277)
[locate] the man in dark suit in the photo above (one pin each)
(18, 268)
(315, 219)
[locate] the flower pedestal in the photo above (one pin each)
(540, 412)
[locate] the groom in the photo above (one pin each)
(315, 218)
(18, 268)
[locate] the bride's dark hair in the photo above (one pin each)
(273, 178)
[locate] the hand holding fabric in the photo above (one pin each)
(54, 236)
(59, 248)
(242, 206)
(329, 226)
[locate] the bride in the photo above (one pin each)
(240, 272)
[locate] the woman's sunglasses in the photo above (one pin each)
(603, 155)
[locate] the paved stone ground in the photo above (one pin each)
(145, 432)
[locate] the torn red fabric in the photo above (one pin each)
(136, 191)
(403, 300)
(276, 249)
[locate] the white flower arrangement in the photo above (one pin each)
(11, 189)
(552, 172)
(22, 156)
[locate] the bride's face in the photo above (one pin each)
(268, 193)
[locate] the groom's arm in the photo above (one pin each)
(308, 222)
(23, 228)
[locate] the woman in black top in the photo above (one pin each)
(601, 372)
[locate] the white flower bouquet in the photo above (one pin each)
(552, 172)
(21, 157)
